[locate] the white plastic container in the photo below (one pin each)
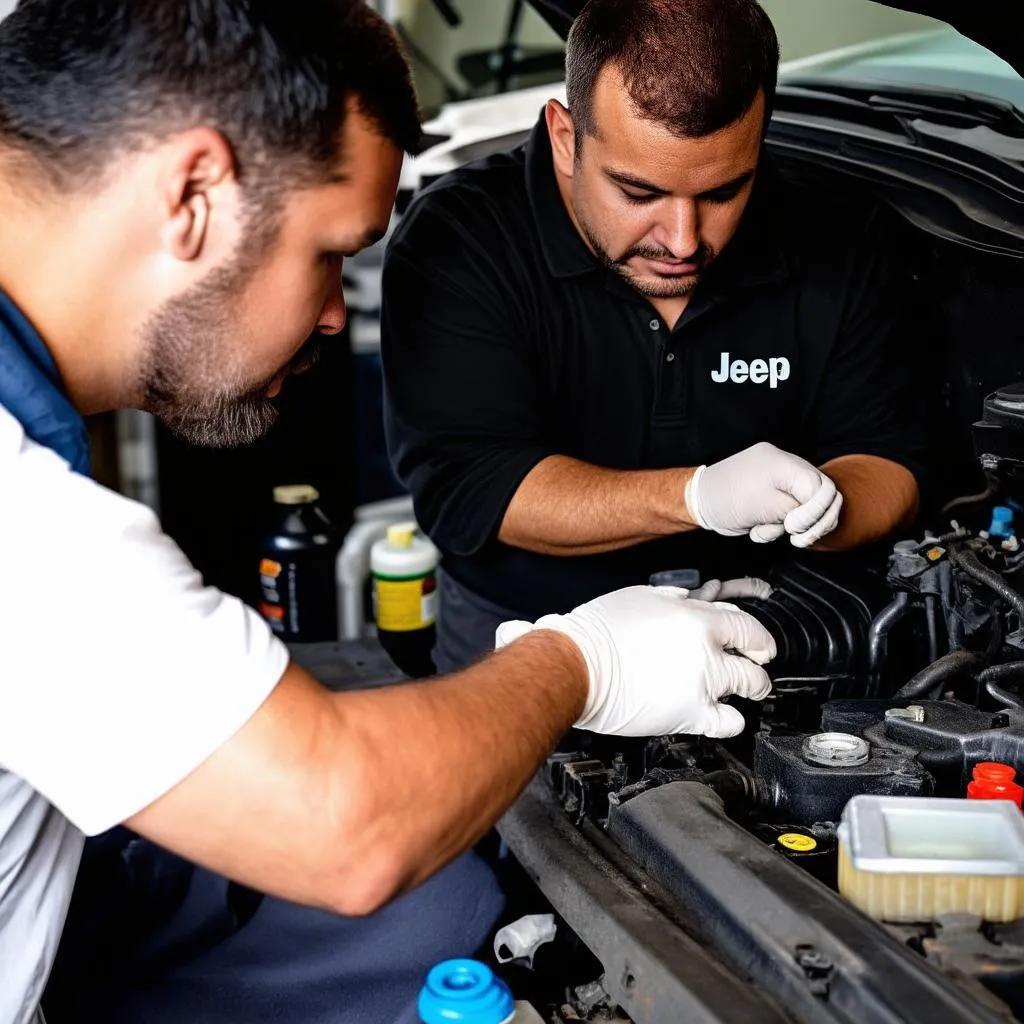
(404, 567)
(916, 858)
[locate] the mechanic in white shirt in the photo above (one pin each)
(179, 183)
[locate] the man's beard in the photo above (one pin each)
(652, 287)
(192, 376)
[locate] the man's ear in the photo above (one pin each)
(563, 137)
(200, 171)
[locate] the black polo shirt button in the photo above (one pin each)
(670, 358)
(655, 325)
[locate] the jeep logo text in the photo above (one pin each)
(758, 371)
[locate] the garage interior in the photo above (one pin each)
(677, 878)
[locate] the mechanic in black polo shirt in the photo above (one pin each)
(626, 346)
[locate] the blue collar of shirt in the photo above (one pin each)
(32, 392)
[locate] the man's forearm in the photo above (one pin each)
(879, 496)
(480, 734)
(344, 800)
(568, 507)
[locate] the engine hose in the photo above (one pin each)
(956, 663)
(970, 563)
(969, 499)
(991, 676)
(878, 637)
(1004, 697)
(734, 787)
(943, 539)
(995, 673)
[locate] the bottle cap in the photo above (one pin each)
(836, 750)
(464, 992)
(994, 781)
(993, 771)
(798, 842)
(1002, 521)
(400, 535)
(295, 494)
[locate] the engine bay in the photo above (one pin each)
(897, 675)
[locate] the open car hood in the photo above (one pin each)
(997, 24)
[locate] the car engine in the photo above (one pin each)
(896, 675)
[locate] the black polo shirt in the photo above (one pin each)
(505, 341)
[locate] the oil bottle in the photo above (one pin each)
(299, 596)
(403, 565)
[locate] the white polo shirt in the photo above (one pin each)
(120, 673)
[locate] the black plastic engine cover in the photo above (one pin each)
(820, 622)
(948, 742)
(796, 790)
(822, 959)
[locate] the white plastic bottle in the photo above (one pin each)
(404, 567)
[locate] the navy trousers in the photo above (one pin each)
(180, 947)
(466, 626)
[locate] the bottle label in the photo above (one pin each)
(298, 598)
(401, 606)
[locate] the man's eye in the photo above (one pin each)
(639, 197)
(720, 196)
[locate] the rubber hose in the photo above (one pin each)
(1004, 697)
(955, 663)
(971, 564)
(968, 499)
(734, 787)
(1009, 670)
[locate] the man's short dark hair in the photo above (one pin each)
(84, 80)
(695, 66)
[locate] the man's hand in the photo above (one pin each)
(764, 492)
(659, 662)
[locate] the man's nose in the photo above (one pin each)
(678, 230)
(333, 314)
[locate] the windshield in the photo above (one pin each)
(941, 58)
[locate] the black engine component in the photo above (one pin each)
(820, 622)
(796, 784)
(894, 676)
(827, 963)
(946, 737)
(810, 847)
(999, 439)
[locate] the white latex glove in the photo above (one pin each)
(746, 586)
(764, 492)
(659, 663)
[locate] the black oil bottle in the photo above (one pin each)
(297, 576)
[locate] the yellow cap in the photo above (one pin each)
(295, 494)
(400, 535)
(797, 842)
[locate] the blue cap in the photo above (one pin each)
(465, 992)
(1002, 522)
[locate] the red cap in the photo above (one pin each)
(995, 781)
